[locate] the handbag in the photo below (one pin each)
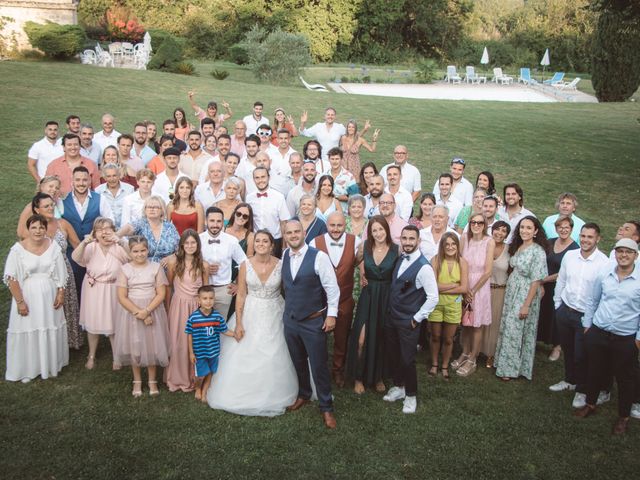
(467, 316)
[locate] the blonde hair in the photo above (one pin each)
(157, 199)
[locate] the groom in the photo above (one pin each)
(311, 305)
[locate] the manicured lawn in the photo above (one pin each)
(86, 425)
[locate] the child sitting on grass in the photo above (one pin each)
(204, 327)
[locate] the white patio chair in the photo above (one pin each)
(472, 76)
(88, 57)
(498, 76)
(313, 88)
(568, 85)
(104, 58)
(452, 75)
(140, 59)
(115, 50)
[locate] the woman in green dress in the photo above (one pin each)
(365, 354)
(241, 227)
(356, 224)
(463, 217)
(519, 323)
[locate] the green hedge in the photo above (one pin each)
(56, 41)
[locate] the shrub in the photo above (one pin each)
(276, 57)
(158, 36)
(426, 70)
(219, 74)
(184, 68)
(56, 41)
(238, 55)
(123, 26)
(167, 56)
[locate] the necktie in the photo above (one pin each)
(262, 195)
(334, 244)
(214, 240)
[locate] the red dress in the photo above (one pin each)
(183, 221)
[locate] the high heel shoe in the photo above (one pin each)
(156, 392)
(459, 362)
(137, 392)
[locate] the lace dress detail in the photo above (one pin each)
(71, 303)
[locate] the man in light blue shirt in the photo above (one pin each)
(612, 331)
(566, 205)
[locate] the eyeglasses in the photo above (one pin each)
(153, 207)
(475, 223)
(386, 203)
(244, 216)
(459, 161)
(399, 153)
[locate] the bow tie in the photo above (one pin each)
(406, 256)
(334, 244)
(214, 240)
(293, 254)
(262, 194)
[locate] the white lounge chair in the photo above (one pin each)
(88, 57)
(472, 76)
(498, 76)
(452, 75)
(568, 85)
(314, 88)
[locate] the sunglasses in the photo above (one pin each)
(475, 223)
(457, 160)
(244, 216)
(264, 134)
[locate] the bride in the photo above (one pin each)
(255, 374)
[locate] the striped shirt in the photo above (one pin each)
(205, 331)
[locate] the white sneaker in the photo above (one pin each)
(579, 400)
(409, 405)
(603, 397)
(394, 393)
(635, 410)
(561, 386)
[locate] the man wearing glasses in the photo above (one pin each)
(461, 189)
(411, 178)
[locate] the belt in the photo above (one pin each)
(496, 285)
(315, 314)
(573, 309)
(611, 334)
(218, 286)
(92, 280)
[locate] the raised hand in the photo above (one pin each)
(304, 117)
(376, 134)
(367, 126)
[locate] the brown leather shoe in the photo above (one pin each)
(299, 403)
(585, 411)
(338, 378)
(620, 427)
(329, 420)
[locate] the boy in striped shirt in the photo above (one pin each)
(204, 327)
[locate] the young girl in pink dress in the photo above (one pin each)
(102, 256)
(142, 331)
(187, 272)
(477, 250)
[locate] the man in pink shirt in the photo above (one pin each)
(63, 166)
(387, 207)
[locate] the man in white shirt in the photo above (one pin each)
(439, 226)
(269, 207)
(140, 148)
(307, 185)
(413, 296)
(490, 212)
(219, 250)
(238, 138)
(280, 155)
(165, 183)
(376, 189)
(256, 119)
(114, 191)
(89, 148)
(513, 211)
(44, 151)
(223, 149)
(193, 161)
(404, 200)
(578, 271)
(327, 133)
(248, 163)
(461, 188)
(125, 150)
(108, 136)
(630, 229)
(445, 197)
(133, 204)
(411, 179)
(211, 191)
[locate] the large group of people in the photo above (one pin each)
(228, 258)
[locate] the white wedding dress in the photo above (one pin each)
(256, 376)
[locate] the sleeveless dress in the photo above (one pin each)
(184, 221)
(71, 304)
(37, 342)
(368, 367)
(351, 158)
(475, 253)
(136, 343)
(498, 285)
(256, 375)
(180, 375)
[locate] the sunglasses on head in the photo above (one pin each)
(244, 216)
(458, 161)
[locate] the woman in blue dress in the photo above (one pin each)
(312, 225)
(160, 233)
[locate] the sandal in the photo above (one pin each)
(445, 373)
(155, 392)
(467, 369)
(380, 387)
(433, 371)
(137, 392)
(459, 362)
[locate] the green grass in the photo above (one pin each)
(86, 425)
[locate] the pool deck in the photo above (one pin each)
(487, 91)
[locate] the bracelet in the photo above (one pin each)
(19, 302)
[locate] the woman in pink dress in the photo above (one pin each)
(142, 330)
(351, 142)
(187, 272)
(103, 257)
(477, 250)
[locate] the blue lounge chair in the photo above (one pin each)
(525, 77)
(557, 78)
